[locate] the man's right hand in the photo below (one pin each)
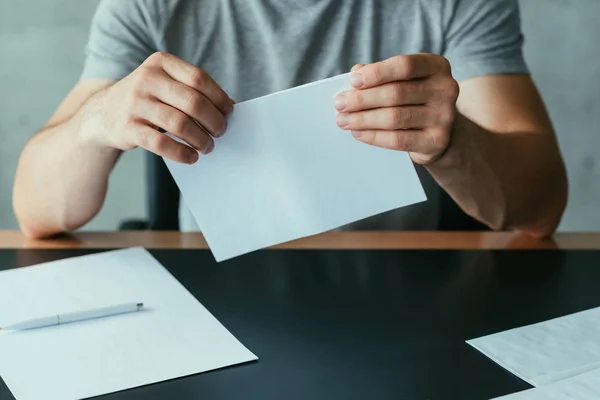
(164, 92)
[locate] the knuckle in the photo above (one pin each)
(452, 90)
(172, 121)
(376, 74)
(357, 100)
(131, 120)
(398, 93)
(395, 143)
(446, 115)
(133, 96)
(159, 143)
(216, 126)
(405, 65)
(395, 117)
(400, 141)
(178, 122)
(153, 141)
(438, 139)
(358, 120)
(194, 101)
(156, 58)
(199, 78)
(445, 64)
(400, 117)
(142, 76)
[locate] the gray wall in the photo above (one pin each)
(563, 50)
(41, 55)
(41, 52)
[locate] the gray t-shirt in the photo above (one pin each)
(256, 47)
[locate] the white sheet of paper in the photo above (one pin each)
(581, 387)
(173, 336)
(548, 351)
(284, 170)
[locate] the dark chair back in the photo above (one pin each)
(453, 218)
(163, 195)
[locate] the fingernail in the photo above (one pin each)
(356, 80)
(340, 102)
(356, 134)
(357, 67)
(210, 147)
(193, 157)
(228, 109)
(342, 120)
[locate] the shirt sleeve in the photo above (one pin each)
(120, 39)
(484, 37)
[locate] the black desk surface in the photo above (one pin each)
(364, 324)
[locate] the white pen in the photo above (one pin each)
(59, 319)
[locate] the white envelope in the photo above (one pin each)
(284, 170)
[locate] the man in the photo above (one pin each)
(444, 80)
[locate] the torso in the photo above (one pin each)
(253, 48)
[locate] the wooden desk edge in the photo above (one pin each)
(331, 240)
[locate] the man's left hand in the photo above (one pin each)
(407, 102)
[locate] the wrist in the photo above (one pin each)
(90, 129)
(453, 155)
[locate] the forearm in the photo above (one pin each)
(61, 180)
(512, 181)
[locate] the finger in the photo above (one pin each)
(196, 78)
(192, 103)
(390, 118)
(403, 140)
(356, 67)
(398, 68)
(156, 142)
(387, 95)
(177, 123)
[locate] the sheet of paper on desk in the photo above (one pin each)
(548, 351)
(581, 387)
(173, 336)
(284, 170)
